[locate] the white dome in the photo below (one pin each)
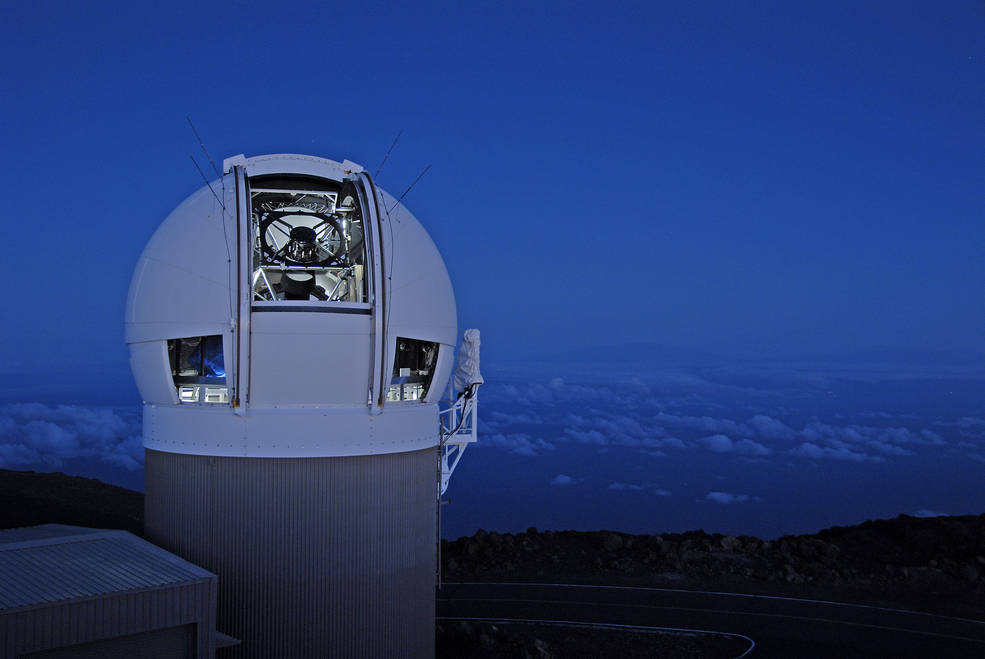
(306, 287)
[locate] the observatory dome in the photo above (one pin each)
(289, 296)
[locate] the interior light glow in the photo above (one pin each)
(188, 393)
(216, 394)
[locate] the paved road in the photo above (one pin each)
(779, 627)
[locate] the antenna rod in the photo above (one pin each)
(204, 150)
(377, 174)
(207, 183)
(419, 177)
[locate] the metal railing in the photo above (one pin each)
(458, 430)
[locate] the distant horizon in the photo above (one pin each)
(912, 360)
(760, 451)
(919, 514)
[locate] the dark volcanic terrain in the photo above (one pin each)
(934, 564)
(928, 564)
(28, 498)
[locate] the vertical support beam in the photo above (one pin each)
(244, 290)
(373, 225)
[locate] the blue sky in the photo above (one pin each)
(764, 182)
(747, 178)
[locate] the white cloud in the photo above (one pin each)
(722, 444)
(587, 436)
(717, 443)
(809, 450)
(703, 424)
(518, 443)
(728, 497)
(37, 434)
(622, 425)
(633, 487)
(624, 487)
(887, 449)
(633, 416)
(625, 429)
(576, 420)
(858, 442)
(606, 429)
(923, 512)
(931, 437)
(562, 480)
(673, 442)
(555, 392)
(771, 428)
(895, 435)
(527, 417)
(751, 448)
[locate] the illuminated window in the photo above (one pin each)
(188, 393)
(413, 369)
(198, 369)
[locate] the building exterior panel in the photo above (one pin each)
(64, 587)
(316, 557)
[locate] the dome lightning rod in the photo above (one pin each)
(239, 249)
(211, 162)
(383, 162)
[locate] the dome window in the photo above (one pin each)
(198, 369)
(413, 369)
(308, 240)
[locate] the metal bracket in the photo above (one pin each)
(458, 430)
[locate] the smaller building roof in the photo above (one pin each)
(55, 562)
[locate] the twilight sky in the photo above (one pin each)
(765, 183)
(743, 178)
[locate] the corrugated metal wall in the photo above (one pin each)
(173, 643)
(316, 557)
(119, 614)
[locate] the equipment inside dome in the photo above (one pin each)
(198, 369)
(413, 368)
(308, 240)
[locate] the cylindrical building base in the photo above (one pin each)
(316, 557)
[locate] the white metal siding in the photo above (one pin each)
(316, 557)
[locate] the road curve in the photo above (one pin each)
(778, 626)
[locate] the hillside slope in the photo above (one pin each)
(931, 564)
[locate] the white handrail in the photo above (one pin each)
(459, 424)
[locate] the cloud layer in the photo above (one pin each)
(728, 497)
(562, 480)
(33, 434)
(542, 416)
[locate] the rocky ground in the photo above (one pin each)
(28, 498)
(927, 564)
(488, 641)
(931, 564)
